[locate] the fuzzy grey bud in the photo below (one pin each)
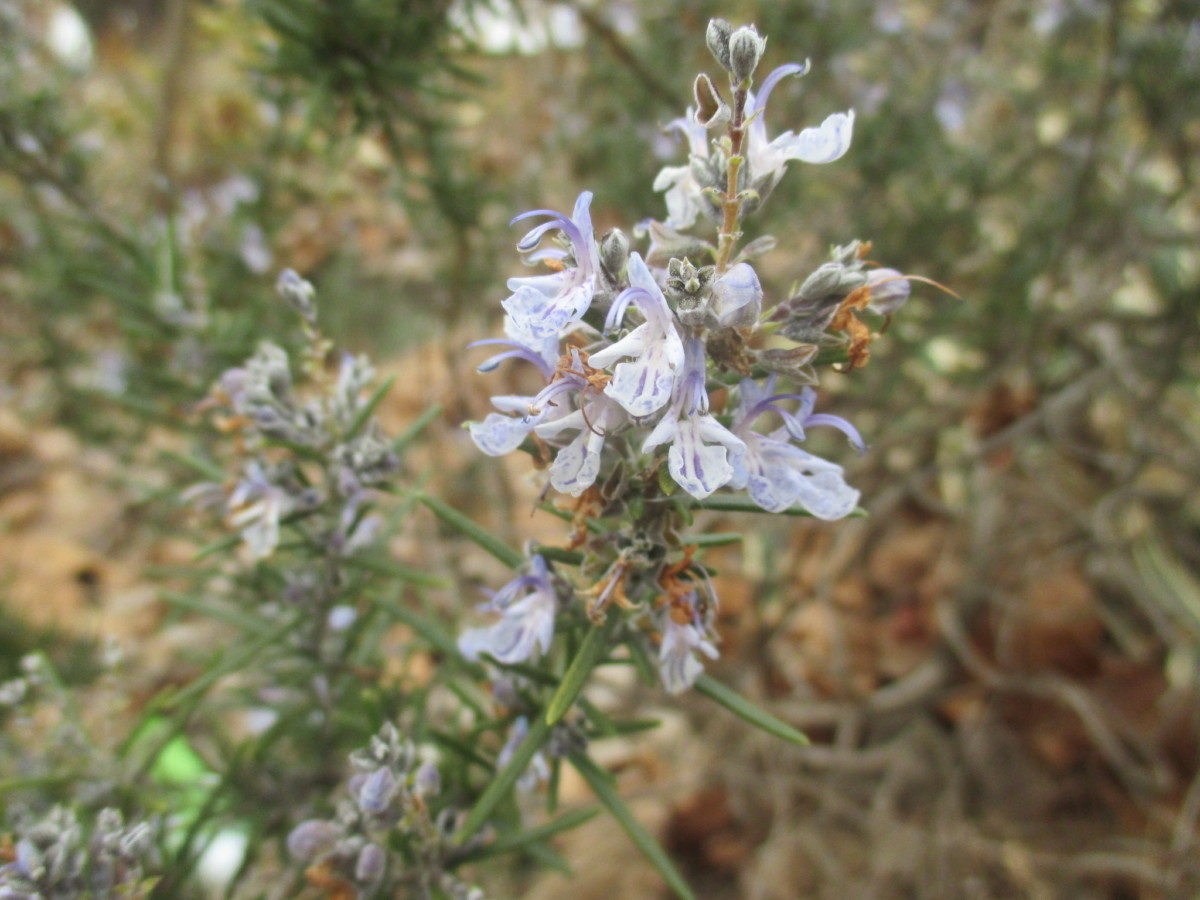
(614, 253)
(13, 692)
(298, 293)
(311, 839)
(831, 280)
(793, 362)
(717, 38)
(745, 50)
(711, 109)
(370, 864)
(29, 860)
(427, 782)
(377, 791)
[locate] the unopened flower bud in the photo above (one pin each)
(614, 253)
(831, 280)
(298, 293)
(745, 50)
(370, 864)
(377, 791)
(29, 860)
(889, 291)
(311, 839)
(717, 37)
(711, 110)
(792, 362)
(427, 781)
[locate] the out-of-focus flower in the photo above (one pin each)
(538, 771)
(684, 635)
(256, 506)
(527, 606)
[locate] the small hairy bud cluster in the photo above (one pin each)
(689, 288)
(56, 858)
(299, 294)
(390, 803)
(345, 456)
(738, 50)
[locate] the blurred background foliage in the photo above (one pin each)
(1008, 646)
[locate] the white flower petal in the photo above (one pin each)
(822, 144)
(499, 434)
(737, 296)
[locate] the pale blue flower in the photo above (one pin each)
(522, 343)
(778, 475)
(684, 192)
(543, 305)
(642, 385)
(768, 157)
(703, 452)
(502, 432)
(527, 606)
(577, 464)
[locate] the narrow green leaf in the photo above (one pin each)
(540, 834)
(533, 673)
(202, 466)
(364, 414)
(717, 539)
(605, 790)
(473, 532)
(222, 612)
(220, 545)
(431, 632)
(641, 661)
(420, 423)
(546, 857)
(742, 503)
(462, 748)
(396, 570)
(502, 784)
(593, 525)
(555, 782)
(740, 706)
(589, 654)
(558, 554)
(233, 659)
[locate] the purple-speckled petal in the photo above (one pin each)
(499, 434)
(697, 467)
(782, 476)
